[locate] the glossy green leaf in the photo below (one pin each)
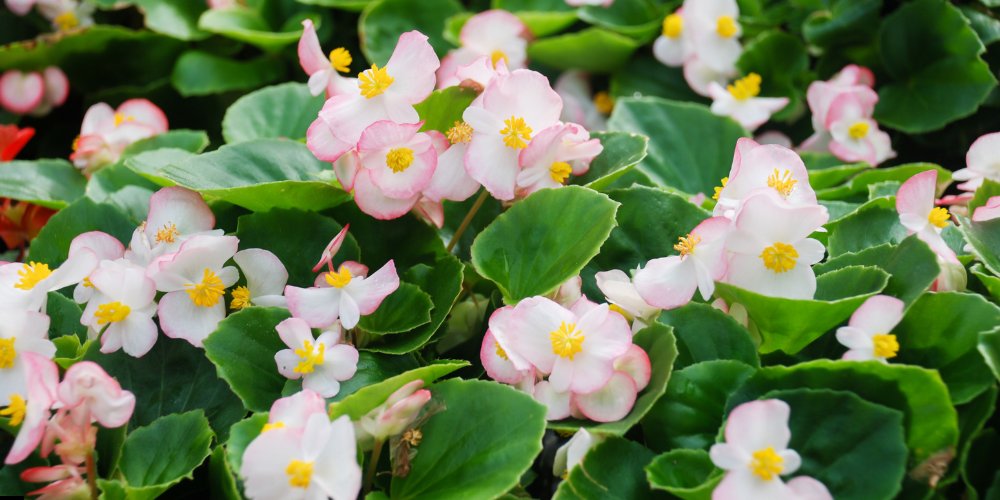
(832, 176)
(402, 311)
(64, 317)
(912, 266)
(527, 255)
(50, 183)
(543, 17)
(988, 189)
(247, 25)
(222, 479)
(368, 397)
(280, 111)
(444, 107)
(201, 73)
(384, 20)
(989, 347)
(351, 5)
(612, 469)
(990, 283)
(846, 22)
(639, 19)
(175, 18)
(874, 223)
(644, 76)
(783, 64)
(194, 141)
(984, 238)
(686, 474)
(595, 50)
(52, 244)
(240, 436)
(163, 453)
(705, 333)
(621, 152)
(458, 461)
(856, 188)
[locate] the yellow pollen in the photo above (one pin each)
(673, 26)
(270, 426)
(782, 182)
(886, 345)
(112, 312)
(460, 132)
(767, 464)
(339, 279)
(779, 257)
(208, 292)
(413, 437)
(374, 81)
(604, 103)
(87, 283)
(567, 341)
(559, 171)
(618, 309)
(76, 143)
(312, 355)
(500, 352)
(725, 26)
(858, 130)
(399, 159)
(66, 21)
(15, 410)
(31, 274)
(168, 233)
(718, 189)
(497, 55)
(7, 352)
(939, 217)
(746, 87)
(120, 118)
(516, 134)
(340, 59)
(299, 473)
(241, 298)
(686, 244)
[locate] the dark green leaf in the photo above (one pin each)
(201, 73)
(159, 455)
(621, 152)
(705, 333)
(52, 244)
(594, 50)
(384, 20)
(49, 183)
(912, 266)
(403, 310)
(612, 469)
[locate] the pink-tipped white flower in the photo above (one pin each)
(105, 247)
(400, 409)
(497, 363)
(396, 163)
(822, 96)
(324, 72)
(739, 101)
(513, 109)
(915, 204)
(770, 249)
(56, 91)
(450, 180)
(715, 31)
(494, 34)
(868, 334)
(91, 395)
(266, 279)
(989, 211)
(26, 285)
(981, 162)
(759, 168)
(20, 92)
(579, 101)
(674, 44)
(175, 215)
(620, 291)
(195, 279)
(293, 412)
(553, 155)
(319, 461)
(854, 135)
(572, 453)
(42, 381)
(322, 363)
(122, 307)
(755, 454)
(670, 282)
(106, 132)
(345, 294)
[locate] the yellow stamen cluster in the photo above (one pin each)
(618, 309)
(31, 274)
(726, 26)
(112, 312)
(746, 87)
(339, 279)
(782, 182)
(120, 119)
(312, 354)
(66, 21)
(858, 130)
(767, 464)
(15, 410)
(460, 132)
(208, 292)
(299, 473)
(886, 345)
(87, 283)
(270, 426)
(673, 26)
(939, 217)
(500, 352)
(780, 257)
(686, 244)
(374, 81)
(168, 233)
(413, 437)
(566, 340)
(516, 134)
(340, 59)
(7, 352)
(399, 159)
(718, 189)
(604, 103)
(497, 56)
(241, 298)
(559, 171)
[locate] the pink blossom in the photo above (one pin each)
(324, 72)
(989, 211)
(42, 382)
(91, 395)
(494, 34)
(345, 294)
(854, 135)
(553, 155)
(266, 279)
(67, 482)
(56, 91)
(980, 163)
(105, 247)
(739, 101)
(396, 163)
(293, 412)
(400, 409)
(917, 213)
(122, 307)
(670, 282)
(21, 92)
(21, 333)
(322, 363)
(759, 168)
(106, 132)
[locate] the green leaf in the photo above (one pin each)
(242, 348)
(612, 469)
(384, 20)
(594, 50)
(173, 377)
(990, 283)
(687, 474)
(240, 436)
(912, 266)
(705, 333)
(621, 152)
(372, 395)
(856, 189)
(200, 73)
(280, 111)
(52, 244)
(459, 461)
(159, 455)
(986, 26)
(988, 189)
(644, 76)
(527, 255)
(543, 17)
(690, 413)
(350, 5)
(50, 183)
(659, 343)
(297, 238)
(874, 223)
(64, 315)
(932, 56)
(941, 331)
(789, 325)
(984, 237)
(690, 148)
(175, 18)
(246, 25)
(222, 481)
(845, 23)
(258, 175)
(403, 310)
(831, 176)
(639, 19)
(194, 141)
(444, 107)
(783, 64)
(989, 347)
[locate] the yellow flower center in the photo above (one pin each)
(339, 279)
(516, 134)
(311, 354)
(15, 410)
(718, 189)
(168, 233)
(939, 217)
(886, 345)
(779, 257)
(31, 274)
(340, 59)
(604, 103)
(241, 298)
(566, 340)
(76, 143)
(460, 132)
(559, 171)
(66, 21)
(686, 244)
(767, 464)
(782, 182)
(87, 283)
(745, 88)
(725, 26)
(500, 352)
(374, 81)
(673, 26)
(208, 292)
(858, 130)
(112, 312)
(299, 473)
(120, 119)
(497, 55)
(270, 426)
(399, 159)
(7, 352)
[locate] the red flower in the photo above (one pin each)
(12, 139)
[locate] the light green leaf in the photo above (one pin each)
(989, 347)
(612, 469)
(280, 111)
(990, 283)
(543, 17)
(159, 455)
(872, 224)
(370, 396)
(686, 474)
(988, 189)
(984, 237)
(444, 107)
(856, 189)
(50, 183)
(175, 18)
(621, 152)
(384, 20)
(639, 19)
(200, 73)
(912, 266)
(246, 25)
(594, 50)
(52, 244)
(194, 141)
(402, 311)
(705, 333)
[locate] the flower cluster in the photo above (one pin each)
(107, 131)
(65, 15)
(33, 92)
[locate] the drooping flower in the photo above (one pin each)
(21, 92)
(293, 412)
(770, 249)
(495, 34)
(674, 44)
(32, 410)
(759, 168)
(981, 163)
(106, 132)
(345, 294)
(324, 72)
(989, 211)
(670, 282)
(868, 333)
(739, 101)
(122, 307)
(266, 279)
(400, 409)
(320, 461)
(322, 363)
(396, 163)
(572, 452)
(89, 394)
(554, 155)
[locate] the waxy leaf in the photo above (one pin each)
(872, 224)
(444, 107)
(621, 152)
(50, 183)
(684, 473)
(912, 266)
(989, 347)
(639, 19)
(201, 73)
(52, 244)
(705, 333)
(612, 469)
(857, 188)
(984, 238)
(175, 18)
(372, 395)
(240, 436)
(280, 111)
(403, 310)
(644, 76)
(384, 20)
(543, 17)
(163, 453)
(593, 50)
(246, 25)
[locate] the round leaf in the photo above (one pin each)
(281, 111)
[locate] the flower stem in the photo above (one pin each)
(92, 476)
(373, 465)
(468, 219)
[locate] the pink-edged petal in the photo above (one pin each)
(294, 332)
(21, 8)
(21, 92)
(311, 56)
(265, 273)
(916, 196)
(325, 145)
(350, 114)
(742, 484)
(557, 403)
(610, 403)
(525, 94)
(409, 182)
(372, 201)
(346, 169)
(807, 488)
(146, 113)
(181, 207)
(450, 180)
(56, 86)
(341, 360)
(287, 360)
(180, 318)
(499, 368)
(533, 320)
(878, 315)
(635, 364)
(105, 246)
(759, 424)
(372, 290)
(989, 211)
(413, 66)
(318, 307)
(667, 282)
